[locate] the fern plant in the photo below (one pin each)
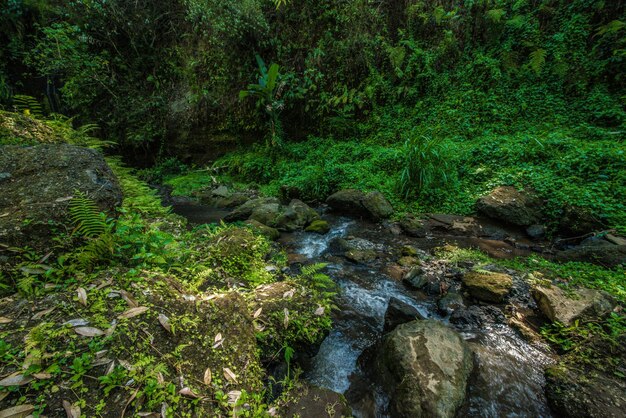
(94, 226)
(89, 221)
(28, 105)
(537, 60)
(319, 281)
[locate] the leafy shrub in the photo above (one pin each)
(426, 165)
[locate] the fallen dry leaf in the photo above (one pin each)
(129, 299)
(257, 313)
(41, 314)
(289, 294)
(125, 364)
(72, 411)
(218, 340)
(5, 320)
(273, 411)
(42, 376)
(78, 322)
(229, 375)
(188, 392)
(15, 380)
(259, 327)
(133, 312)
(19, 411)
(165, 322)
(319, 311)
(233, 396)
(207, 377)
(149, 414)
(89, 331)
(160, 378)
(110, 368)
(82, 295)
(101, 362)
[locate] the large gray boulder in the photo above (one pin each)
(37, 184)
(244, 211)
(566, 307)
(354, 202)
(509, 205)
(270, 212)
(425, 367)
(377, 206)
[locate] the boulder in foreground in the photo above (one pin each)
(37, 184)
(425, 365)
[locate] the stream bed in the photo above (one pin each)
(508, 378)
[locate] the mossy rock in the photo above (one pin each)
(319, 226)
(488, 286)
(241, 255)
(270, 233)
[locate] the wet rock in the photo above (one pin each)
(353, 202)
(360, 256)
(408, 261)
(536, 231)
(348, 201)
(409, 251)
(413, 226)
(488, 286)
(270, 233)
(296, 215)
(312, 401)
(557, 305)
(509, 205)
(394, 271)
(221, 191)
(475, 316)
(243, 212)
(425, 366)
(270, 212)
(415, 278)
(267, 214)
(377, 205)
(399, 312)
(450, 302)
(573, 393)
(318, 226)
(38, 186)
(596, 250)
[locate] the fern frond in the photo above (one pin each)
(88, 219)
(26, 284)
(537, 60)
(312, 269)
(96, 251)
(28, 105)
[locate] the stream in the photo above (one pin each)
(508, 376)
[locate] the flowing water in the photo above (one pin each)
(508, 380)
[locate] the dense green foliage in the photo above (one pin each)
(145, 69)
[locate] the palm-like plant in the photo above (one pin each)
(267, 92)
